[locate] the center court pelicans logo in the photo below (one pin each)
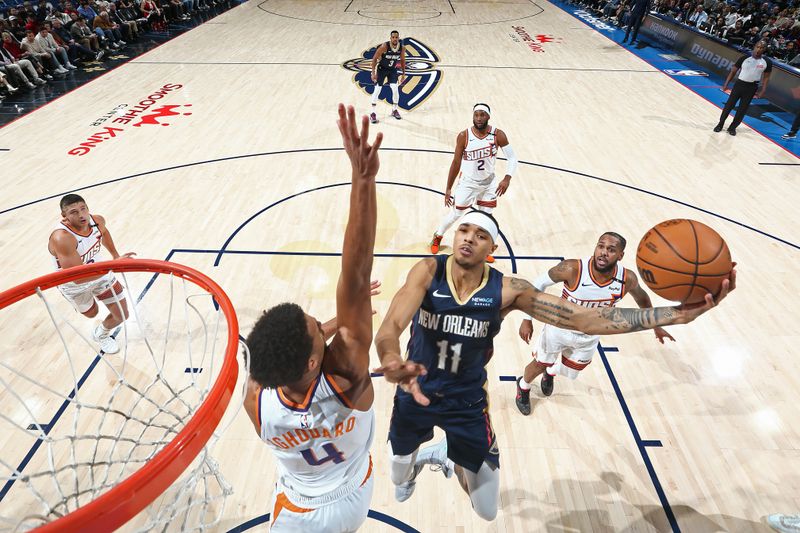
(422, 76)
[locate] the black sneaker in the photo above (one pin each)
(732, 131)
(547, 384)
(790, 135)
(523, 399)
(718, 128)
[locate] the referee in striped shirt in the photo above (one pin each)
(754, 72)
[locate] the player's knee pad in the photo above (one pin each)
(395, 93)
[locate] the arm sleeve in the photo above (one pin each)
(511, 157)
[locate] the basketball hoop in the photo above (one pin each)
(135, 455)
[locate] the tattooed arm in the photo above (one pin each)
(521, 295)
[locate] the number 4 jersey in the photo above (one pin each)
(453, 338)
(321, 445)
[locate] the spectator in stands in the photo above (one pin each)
(736, 35)
(12, 46)
(129, 12)
(176, 10)
(47, 42)
(110, 30)
(788, 53)
(21, 70)
(30, 45)
(75, 49)
(130, 30)
(730, 15)
(698, 16)
(69, 9)
(86, 11)
(753, 76)
(82, 34)
(154, 14)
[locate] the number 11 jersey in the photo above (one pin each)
(454, 339)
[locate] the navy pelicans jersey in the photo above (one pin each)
(588, 292)
(321, 445)
(453, 339)
(88, 246)
(479, 158)
(390, 57)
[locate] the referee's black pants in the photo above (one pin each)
(743, 92)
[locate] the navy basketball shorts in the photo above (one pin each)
(470, 437)
(387, 76)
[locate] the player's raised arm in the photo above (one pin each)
(353, 308)
(521, 295)
(404, 304)
(567, 271)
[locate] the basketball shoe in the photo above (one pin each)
(103, 337)
(436, 456)
(785, 523)
(547, 383)
(523, 399)
(373, 118)
(396, 114)
(435, 242)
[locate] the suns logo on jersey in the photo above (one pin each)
(422, 75)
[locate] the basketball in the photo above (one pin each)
(681, 260)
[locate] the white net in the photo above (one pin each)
(76, 422)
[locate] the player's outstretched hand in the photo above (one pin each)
(662, 334)
(690, 312)
(526, 331)
(374, 290)
(405, 373)
(363, 156)
(128, 255)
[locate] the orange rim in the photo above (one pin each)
(121, 503)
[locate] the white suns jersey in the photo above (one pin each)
(89, 245)
(320, 445)
(480, 155)
(588, 292)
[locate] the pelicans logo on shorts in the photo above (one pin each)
(422, 76)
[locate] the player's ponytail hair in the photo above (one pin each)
(279, 346)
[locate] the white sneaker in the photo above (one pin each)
(61, 70)
(404, 491)
(106, 341)
(70, 66)
(785, 523)
(436, 456)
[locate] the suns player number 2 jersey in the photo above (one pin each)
(479, 158)
(320, 445)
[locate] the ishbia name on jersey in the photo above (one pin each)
(455, 324)
(296, 437)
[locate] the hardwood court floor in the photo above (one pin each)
(702, 431)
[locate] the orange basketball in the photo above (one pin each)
(682, 260)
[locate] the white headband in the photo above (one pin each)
(483, 221)
(482, 107)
